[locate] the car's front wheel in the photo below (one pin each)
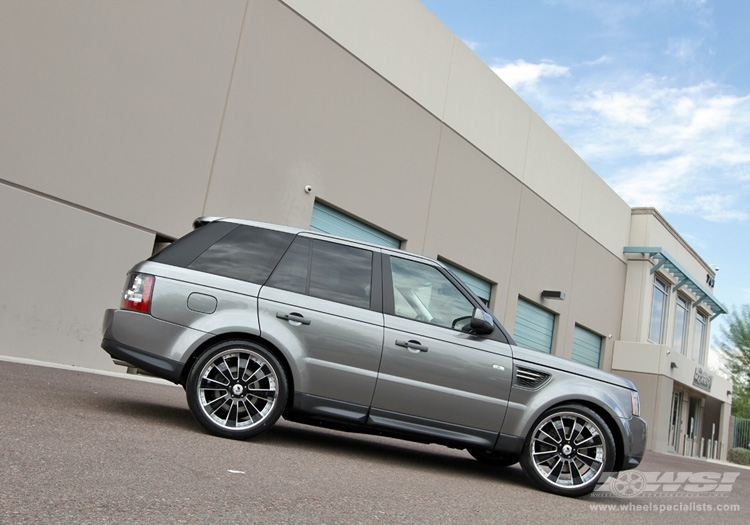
(237, 389)
(568, 451)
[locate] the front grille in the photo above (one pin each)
(531, 379)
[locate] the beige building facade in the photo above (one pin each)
(124, 121)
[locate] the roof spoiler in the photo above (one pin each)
(202, 221)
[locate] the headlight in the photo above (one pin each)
(635, 403)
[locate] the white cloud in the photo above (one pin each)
(683, 49)
(604, 59)
(522, 73)
(680, 149)
(474, 46)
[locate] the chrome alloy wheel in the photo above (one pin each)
(237, 389)
(568, 450)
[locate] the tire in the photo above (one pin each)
(492, 458)
(237, 389)
(568, 451)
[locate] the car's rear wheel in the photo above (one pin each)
(568, 450)
(490, 457)
(237, 389)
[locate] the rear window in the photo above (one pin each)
(227, 249)
(188, 247)
(246, 253)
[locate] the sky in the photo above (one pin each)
(654, 95)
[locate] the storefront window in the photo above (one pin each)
(658, 311)
(699, 338)
(680, 325)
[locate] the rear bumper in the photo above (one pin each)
(158, 347)
(153, 364)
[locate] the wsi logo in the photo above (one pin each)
(631, 483)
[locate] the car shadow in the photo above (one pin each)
(298, 438)
(155, 412)
(432, 458)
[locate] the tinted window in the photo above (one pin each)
(335, 272)
(421, 292)
(291, 273)
(185, 249)
(341, 273)
(247, 253)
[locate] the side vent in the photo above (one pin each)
(531, 379)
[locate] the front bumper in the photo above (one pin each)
(634, 442)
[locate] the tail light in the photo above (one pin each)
(137, 294)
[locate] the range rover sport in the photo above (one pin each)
(258, 321)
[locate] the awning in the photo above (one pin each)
(666, 261)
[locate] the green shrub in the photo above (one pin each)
(741, 456)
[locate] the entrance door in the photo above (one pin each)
(675, 421)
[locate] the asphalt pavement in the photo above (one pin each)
(79, 447)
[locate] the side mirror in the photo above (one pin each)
(481, 322)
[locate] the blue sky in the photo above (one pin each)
(653, 95)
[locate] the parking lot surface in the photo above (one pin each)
(77, 447)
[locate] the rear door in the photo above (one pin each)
(322, 305)
(435, 378)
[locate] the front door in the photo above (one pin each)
(435, 377)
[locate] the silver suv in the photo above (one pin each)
(258, 321)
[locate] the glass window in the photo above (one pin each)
(247, 253)
(481, 288)
(699, 338)
(341, 273)
(335, 272)
(422, 293)
(680, 325)
(291, 273)
(658, 311)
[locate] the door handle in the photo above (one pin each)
(293, 317)
(411, 345)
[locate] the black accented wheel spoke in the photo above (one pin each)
(228, 368)
(556, 470)
(265, 394)
(255, 410)
(557, 441)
